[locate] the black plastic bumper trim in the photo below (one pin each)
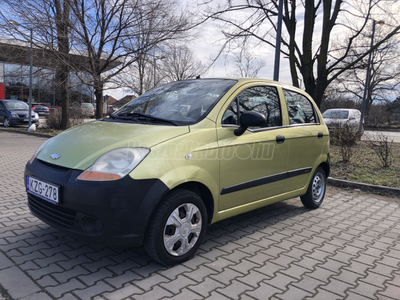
(264, 180)
(114, 212)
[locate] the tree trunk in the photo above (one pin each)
(62, 19)
(98, 93)
(62, 88)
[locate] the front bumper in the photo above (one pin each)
(22, 121)
(42, 113)
(114, 212)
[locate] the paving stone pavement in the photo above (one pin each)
(347, 249)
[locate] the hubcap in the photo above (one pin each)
(318, 188)
(182, 229)
(6, 123)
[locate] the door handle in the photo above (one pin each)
(320, 135)
(280, 139)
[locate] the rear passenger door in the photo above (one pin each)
(305, 137)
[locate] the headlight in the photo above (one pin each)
(14, 115)
(114, 164)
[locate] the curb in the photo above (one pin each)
(27, 133)
(377, 189)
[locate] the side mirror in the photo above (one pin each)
(250, 119)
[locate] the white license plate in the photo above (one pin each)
(44, 190)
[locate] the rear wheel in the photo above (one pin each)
(316, 190)
(176, 228)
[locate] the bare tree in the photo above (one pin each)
(384, 79)
(115, 34)
(315, 58)
(143, 75)
(97, 37)
(246, 64)
(179, 63)
(48, 21)
(164, 64)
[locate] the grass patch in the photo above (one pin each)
(365, 167)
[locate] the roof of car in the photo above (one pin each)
(344, 109)
(12, 100)
(255, 80)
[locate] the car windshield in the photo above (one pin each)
(16, 105)
(336, 114)
(180, 103)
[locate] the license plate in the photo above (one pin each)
(42, 189)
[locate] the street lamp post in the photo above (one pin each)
(278, 41)
(15, 23)
(366, 86)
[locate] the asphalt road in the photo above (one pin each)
(349, 248)
(393, 135)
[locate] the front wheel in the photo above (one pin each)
(6, 122)
(316, 190)
(176, 228)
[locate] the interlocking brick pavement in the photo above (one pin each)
(349, 248)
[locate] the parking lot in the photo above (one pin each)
(347, 249)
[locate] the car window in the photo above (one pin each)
(300, 109)
(262, 99)
(336, 114)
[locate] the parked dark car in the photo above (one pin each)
(16, 112)
(41, 110)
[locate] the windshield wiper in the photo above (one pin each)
(140, 116)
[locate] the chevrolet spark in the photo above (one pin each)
(188, 154)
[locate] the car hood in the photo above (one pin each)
(80, 146)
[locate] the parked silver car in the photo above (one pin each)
(342, 117)
(84, 109)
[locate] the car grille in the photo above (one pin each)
(51, 213)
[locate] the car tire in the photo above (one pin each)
(177, 228)
(6, 122)
(316, 190)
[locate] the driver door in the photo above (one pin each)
(2, 112)
(252, 165)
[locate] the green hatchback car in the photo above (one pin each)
(178, 158)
